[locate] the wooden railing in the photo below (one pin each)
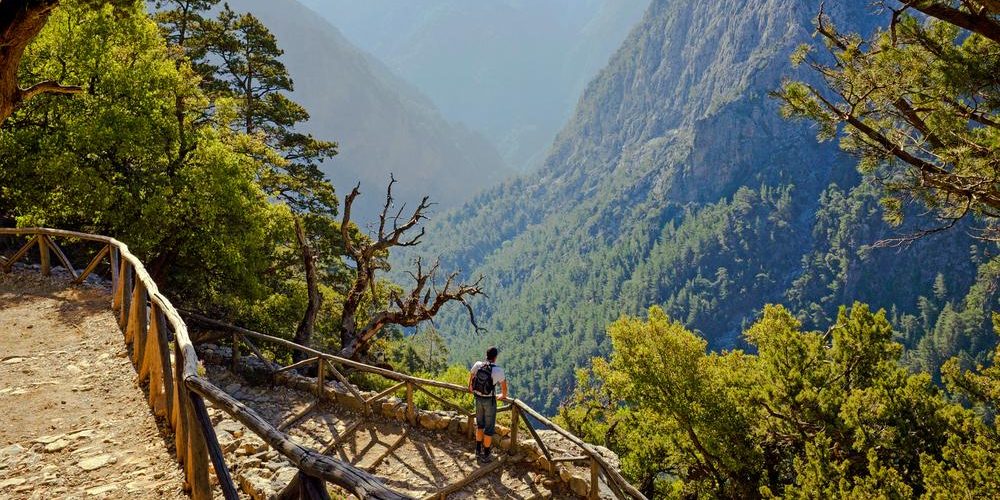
(176, 390)
(329, 363)
(149, 323)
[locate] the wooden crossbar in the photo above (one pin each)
(61, 256)
(256, 352)
(342, 436)
(300, 364)
(385, 393)
(473, 477)
(19, 253)
(393, 447)
(347, 383)
(541, 444)
(96, 261)
(292, 420)
(441, 400)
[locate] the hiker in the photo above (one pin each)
(483, 378)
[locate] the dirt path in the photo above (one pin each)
(72, 422)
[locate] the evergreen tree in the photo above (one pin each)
(917, 102)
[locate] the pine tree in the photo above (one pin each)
(252, 73)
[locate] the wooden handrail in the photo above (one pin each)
(589, 452)
(315, 464)
(134, 292)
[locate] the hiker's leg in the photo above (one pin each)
(480, 419)
(490, 415)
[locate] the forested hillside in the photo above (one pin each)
(520, 66)
(677, 183)
(382, 124)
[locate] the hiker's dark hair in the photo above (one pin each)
(491, 353)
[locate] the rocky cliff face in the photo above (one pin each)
(676, 183)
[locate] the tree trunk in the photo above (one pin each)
(20, 22)
(303, 335)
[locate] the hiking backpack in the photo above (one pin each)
(483, 383)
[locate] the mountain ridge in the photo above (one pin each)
(510, 70)
(676, 183)
(382, 123)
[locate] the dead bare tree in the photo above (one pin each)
(420, 304)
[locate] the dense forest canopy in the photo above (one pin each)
(851, 409)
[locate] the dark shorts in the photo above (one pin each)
(486, 414)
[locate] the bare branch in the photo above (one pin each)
(48, 87)
(827, 33)
(906, 240)
(385, 209)
(421, 303)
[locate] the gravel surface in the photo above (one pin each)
(74, 424)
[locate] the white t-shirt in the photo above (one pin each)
(498, 375)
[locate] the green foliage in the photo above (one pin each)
(712, 267)
(813, 414)
(912, 101)
(425, 351)
(251, 72)
(105, 161)
(147, 155)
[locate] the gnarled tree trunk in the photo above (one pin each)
(420, 304)
(303, 334)
(20, 22)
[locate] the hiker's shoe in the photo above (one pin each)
(486, 457)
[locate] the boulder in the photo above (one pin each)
(579, 485)
(427, 420)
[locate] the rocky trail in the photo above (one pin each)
(73, 424)
(413, 460)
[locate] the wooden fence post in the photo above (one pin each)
(409, 403)
(115, 276)
(180, 405)
(126, 292)
(167, 372)
(206, 430)
(595, 486)
(43, 255)
(197, 456)
(136, 334)
(320, 373)
(235, 359)
(152, 364)
(515, 414)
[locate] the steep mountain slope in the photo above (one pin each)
(677, 183)
(511, 69)
(383, 124)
